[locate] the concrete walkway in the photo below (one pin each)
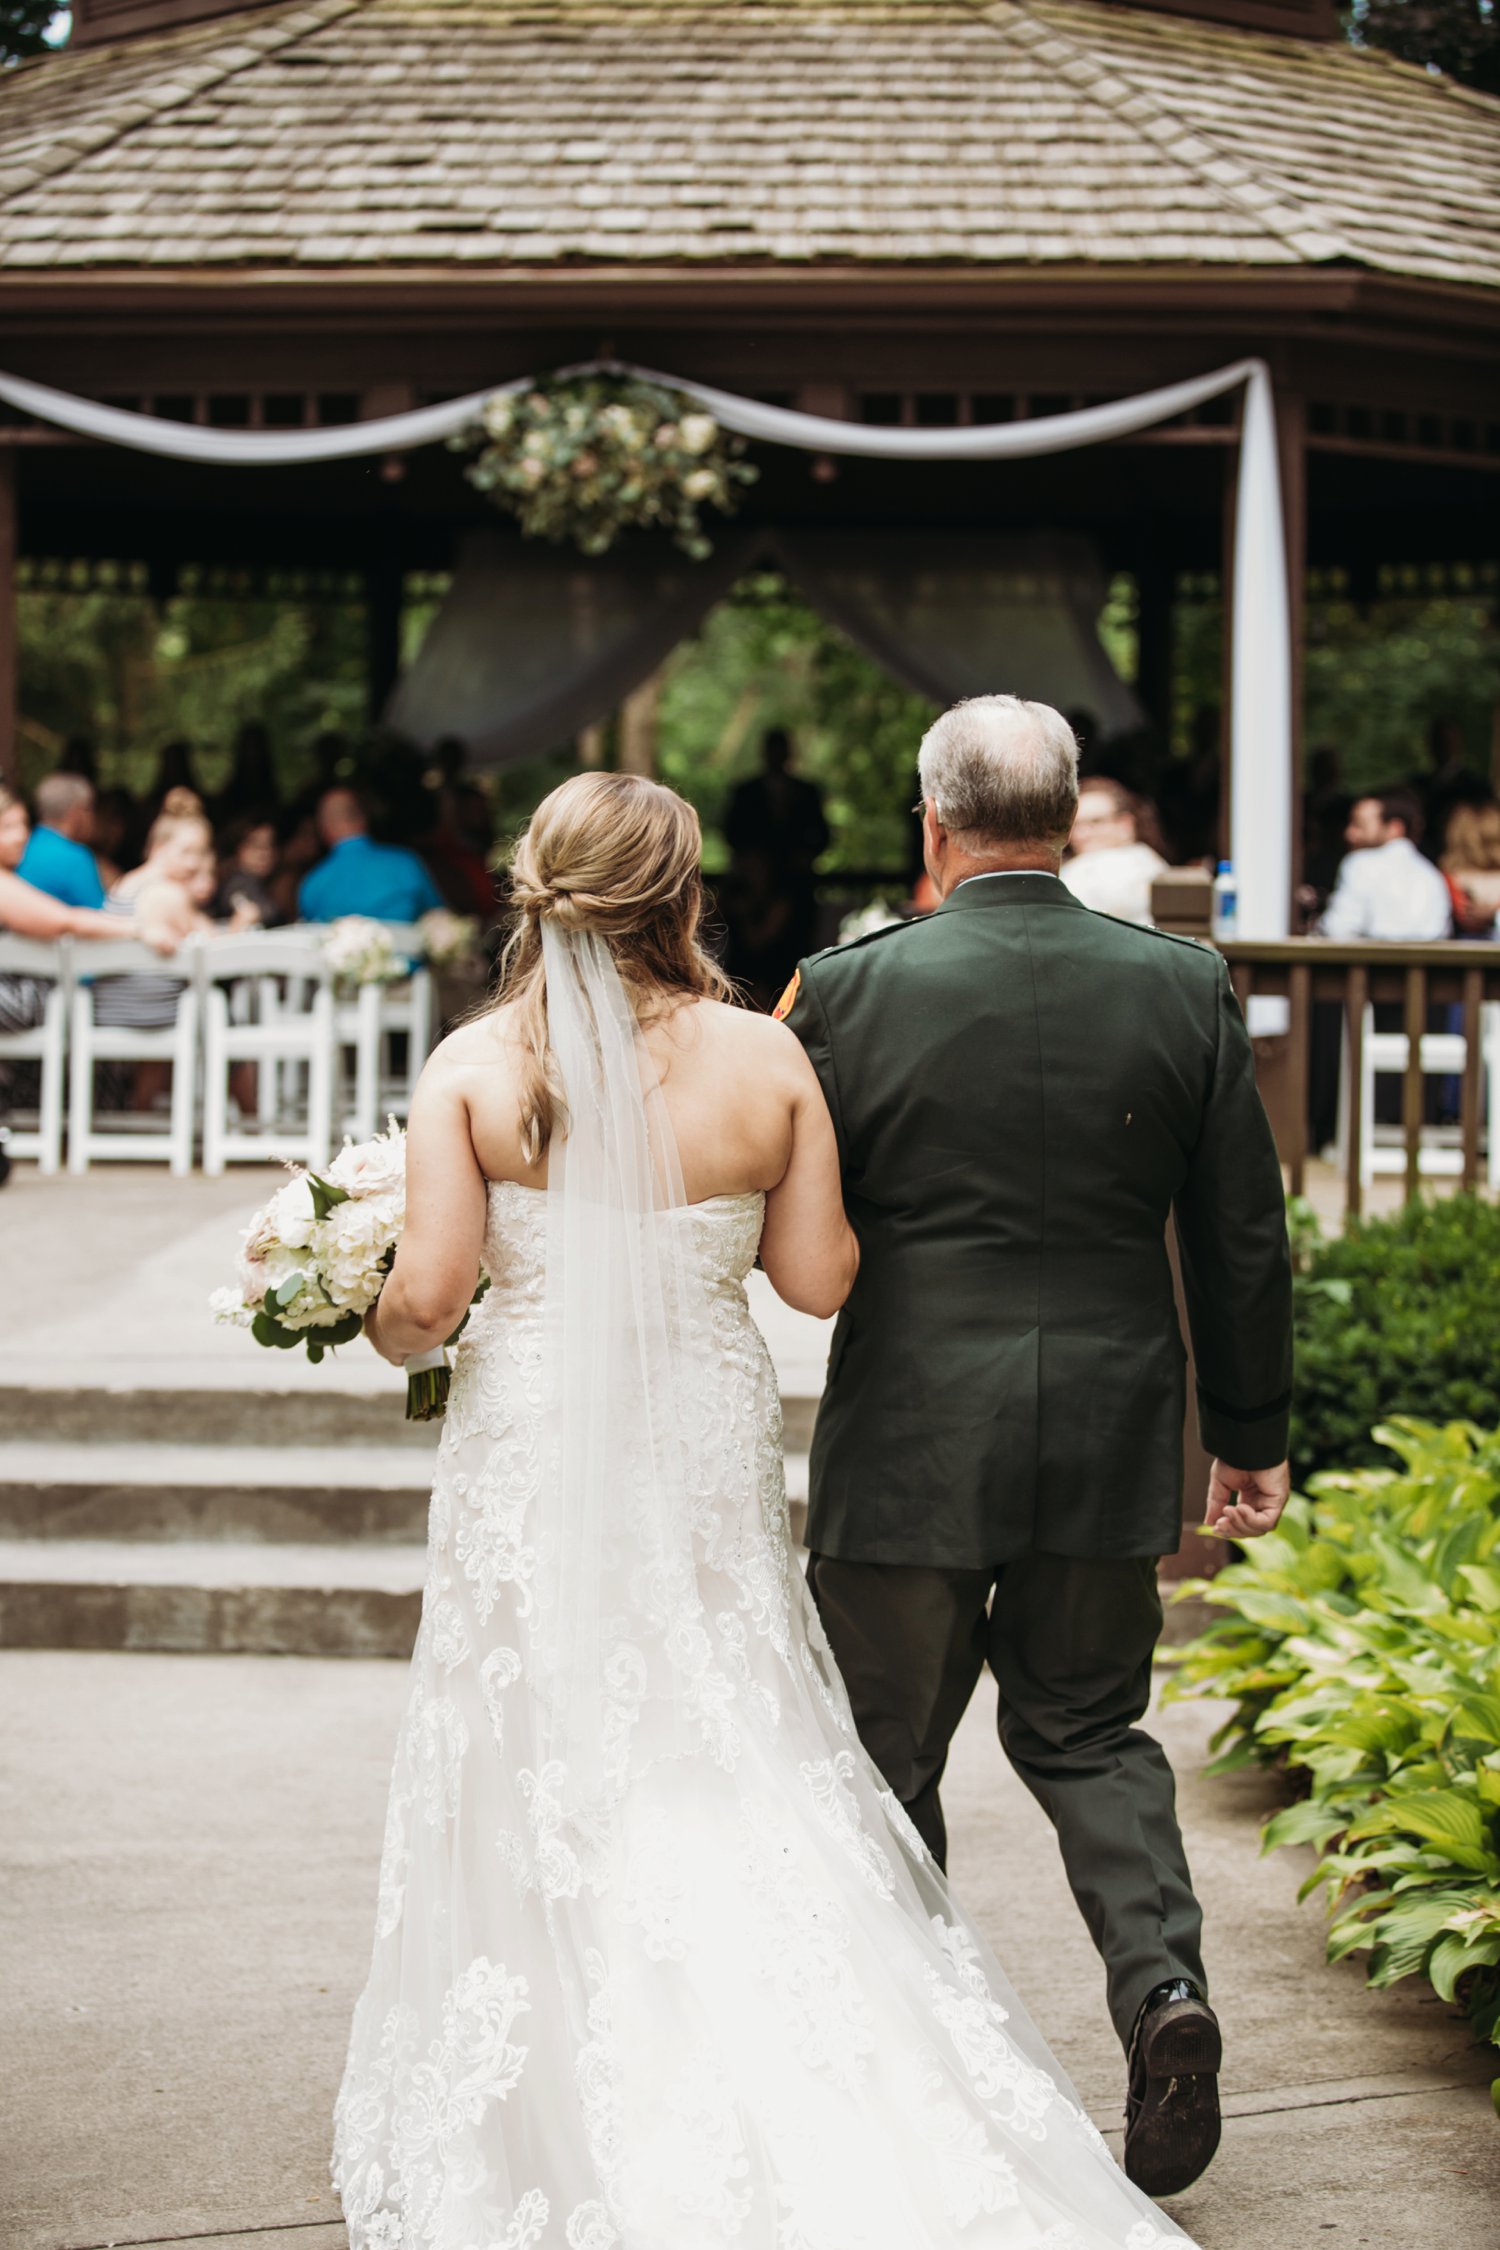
(188, 1853)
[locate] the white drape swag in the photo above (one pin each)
(1261, 799)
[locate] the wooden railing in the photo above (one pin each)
(1304, 971)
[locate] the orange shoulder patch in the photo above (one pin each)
(788, 1000)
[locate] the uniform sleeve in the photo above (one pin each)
(802, 1009)
(1236, 1265)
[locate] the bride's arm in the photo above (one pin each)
(437, 1263)
(808, 1247)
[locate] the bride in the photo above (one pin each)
(659, 1960)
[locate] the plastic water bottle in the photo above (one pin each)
(1226, 907)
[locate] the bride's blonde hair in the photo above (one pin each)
(618, 855)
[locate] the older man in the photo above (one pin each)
(359, 876)
(1025, 1095)
(57, 858)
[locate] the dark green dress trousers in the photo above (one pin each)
(1069, 1639)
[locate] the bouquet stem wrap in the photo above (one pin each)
(428, 1381)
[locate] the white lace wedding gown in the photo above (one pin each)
(727, 2003)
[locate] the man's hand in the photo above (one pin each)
(1244, 1503)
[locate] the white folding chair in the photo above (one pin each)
(44, 1043)
(368, 1025)
(268, 1000)
(1443, 1054)
(137, 1141)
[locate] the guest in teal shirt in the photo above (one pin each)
(57, 858)
(360, 876)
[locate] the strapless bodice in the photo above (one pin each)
(724, 1230)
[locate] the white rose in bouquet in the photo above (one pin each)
(313, 1262)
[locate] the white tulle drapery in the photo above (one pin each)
(1261, 793)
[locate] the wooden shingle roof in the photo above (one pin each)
(378, 135)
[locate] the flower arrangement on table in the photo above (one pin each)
(587, 457)
(316, 1258)
(448, 940)
(360, 951)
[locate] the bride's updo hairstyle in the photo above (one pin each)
(616, 855)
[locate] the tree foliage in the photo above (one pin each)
(24, 25)
(1461, 37)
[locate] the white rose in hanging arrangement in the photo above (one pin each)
(586, 458)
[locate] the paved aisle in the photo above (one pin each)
(188, 1850)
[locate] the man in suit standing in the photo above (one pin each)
(1025, 1094)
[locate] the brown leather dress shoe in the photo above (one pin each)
(1172, 2108)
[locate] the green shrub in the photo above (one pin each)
(1362, 1652)
(1395, 1316)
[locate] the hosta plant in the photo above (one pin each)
(1360, 1646)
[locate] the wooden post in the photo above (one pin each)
(591, 740)
(638, 727)
(1412, 1084)
(10, 639)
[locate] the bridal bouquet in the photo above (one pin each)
(316, 1258)
(360, 951)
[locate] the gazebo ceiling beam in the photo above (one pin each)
(994, 296)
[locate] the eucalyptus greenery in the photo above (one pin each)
(584, 458)
(1360, 1647)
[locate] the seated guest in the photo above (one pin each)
(1112, 866)
(1471, 867)
(457, 851)
(359, 876)
(28, 912)
(58, 859)
(160, 902)
(1385, 888)
(244, 894)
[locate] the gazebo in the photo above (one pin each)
(911, 213)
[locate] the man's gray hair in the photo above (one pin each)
(1001, 771)
(58, 794)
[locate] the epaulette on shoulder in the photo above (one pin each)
(1149, 930)
(869, 937)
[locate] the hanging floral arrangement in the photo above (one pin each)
(587, 457)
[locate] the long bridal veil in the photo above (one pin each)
(627, 1647)
(660, 1962)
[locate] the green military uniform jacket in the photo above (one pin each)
(1024, 1092)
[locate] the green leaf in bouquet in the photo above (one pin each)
(324, 1196)
(266, 1329)
(341, 1332)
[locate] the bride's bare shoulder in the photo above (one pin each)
(486, 1043)
(744, 1037)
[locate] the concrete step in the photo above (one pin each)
(210, 1597)
(321, 1493)
(248, 1416)
(259, 1596)
(139, 1493)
